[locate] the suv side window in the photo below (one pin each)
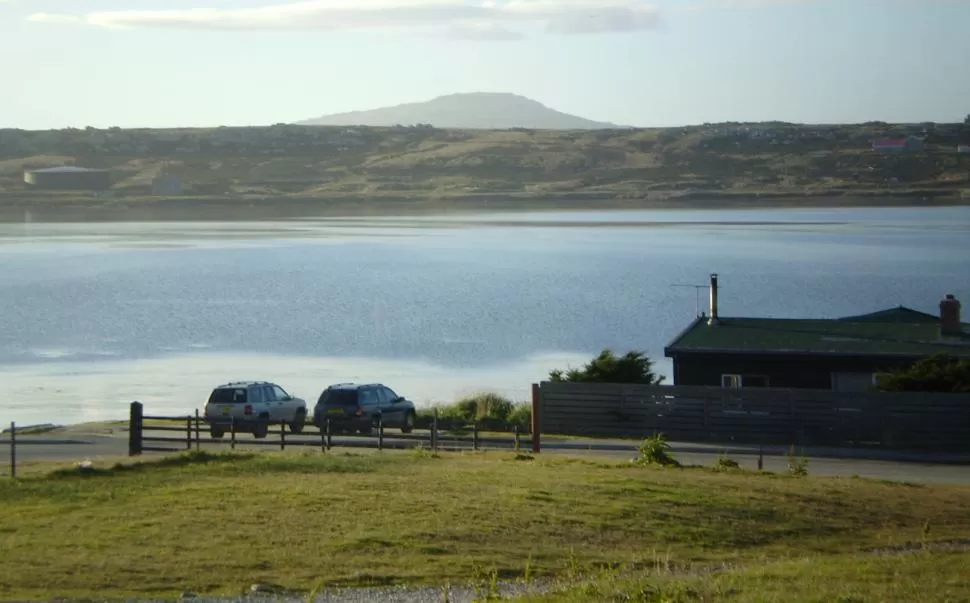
(387, 397)
(256, 394)
(270, 395)
(368, 397)
(280, 393)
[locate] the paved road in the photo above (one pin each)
(939, 469)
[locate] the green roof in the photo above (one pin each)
(900, 314)
(895, 332)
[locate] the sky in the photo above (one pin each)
(167, 63)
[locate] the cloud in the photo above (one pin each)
(53, 18)
(475, 19)
(483, 33)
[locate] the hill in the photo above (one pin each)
(304, 170)
(474, 111)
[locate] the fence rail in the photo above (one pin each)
(755, 416)
(181, 433)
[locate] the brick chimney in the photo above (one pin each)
(950, 316)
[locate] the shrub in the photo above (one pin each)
(655, 450)
(632, 367)
(726, 463)
(935, 374)
(521, 416)
(490, 411)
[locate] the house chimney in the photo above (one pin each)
(950, 316)
(712, 319)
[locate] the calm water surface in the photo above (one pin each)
(95, 315)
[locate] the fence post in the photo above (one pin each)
(135, 424)
(380, 431)
(323, 436)
(282, 435)
(198, 437)
(515, 431)
(329, 435)
(232, 433)
(536, 409)
(13, 449)
(475, 436)
(434, 432)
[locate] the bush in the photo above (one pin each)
(725, 463)
(655, 450)
(632, 367)
(490, 411)
(936, 374)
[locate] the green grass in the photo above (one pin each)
(218, 523)
(930, 577)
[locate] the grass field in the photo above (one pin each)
(219, 523)
(930, 577)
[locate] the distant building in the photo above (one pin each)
(68, 178)
(898, 145)
(166, 185)
(842, 354)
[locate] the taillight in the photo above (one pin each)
(248, 410)
(360, 411)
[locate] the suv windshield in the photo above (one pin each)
(338, 397)
(227, 395)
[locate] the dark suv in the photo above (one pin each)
(353, 407)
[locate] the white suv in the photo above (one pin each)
(251, 406)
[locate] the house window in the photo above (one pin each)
(739, 381)
(853, 382)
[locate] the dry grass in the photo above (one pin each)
(217, 523)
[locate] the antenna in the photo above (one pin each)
(697, 295)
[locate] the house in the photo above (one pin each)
(898, 145)
(842, 354)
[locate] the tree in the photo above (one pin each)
(632, 367)
(936, 374)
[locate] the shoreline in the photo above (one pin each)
(242, 209)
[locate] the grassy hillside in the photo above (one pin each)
(216, 524)
(316, 163)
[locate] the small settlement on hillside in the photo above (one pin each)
(841, 354)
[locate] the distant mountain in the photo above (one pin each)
(477, 110)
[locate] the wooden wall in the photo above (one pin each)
(757, 416)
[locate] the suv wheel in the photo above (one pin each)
(261, 429)
(216, 433)
(408, 425)
(298, 422)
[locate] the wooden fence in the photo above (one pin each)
(938, 422)
(150, 433)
